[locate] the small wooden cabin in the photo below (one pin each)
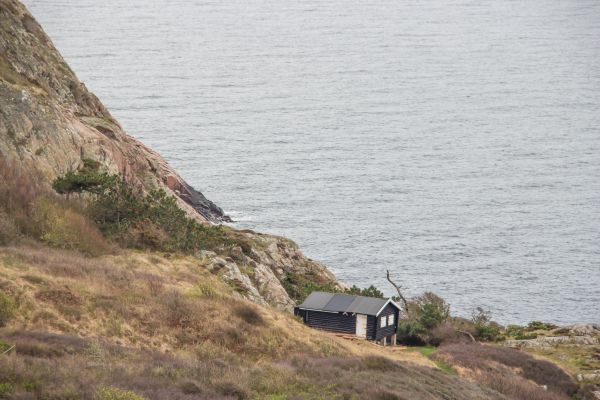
(365, 317)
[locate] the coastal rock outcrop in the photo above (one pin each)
(51, 123)
(261, 271)
(583, 335)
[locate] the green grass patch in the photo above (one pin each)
(424, 350)
(427, 351)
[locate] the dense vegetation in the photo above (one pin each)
(134, 219)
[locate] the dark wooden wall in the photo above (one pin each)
(387, 331)
(346, 323)
(335, 322)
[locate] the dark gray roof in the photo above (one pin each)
(337, 302)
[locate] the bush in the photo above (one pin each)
(432, 310)
(426, 313)
(65, 228)
(519, 333)
(86, 180)
(8, 308)
(411, 332)
(134, 219)
(371, 291)
(485, 329)
(540, 326)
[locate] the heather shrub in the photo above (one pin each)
(8, 308)
(443, 333)
(379, 363)
(479, 357)
(8, 230)
(178, 309)
(232, 390)
(249, 314)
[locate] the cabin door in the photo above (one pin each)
(361, 326)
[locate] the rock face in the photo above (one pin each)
(260, 272)
(50, 122)
(576, 335)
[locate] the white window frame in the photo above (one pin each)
(390, 319)
(382, 322)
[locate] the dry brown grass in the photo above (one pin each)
(50, 366)
(165, 327)
(29, 208)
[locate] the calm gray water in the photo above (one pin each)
(455, 143)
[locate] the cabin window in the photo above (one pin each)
(382, 322)
(391, 319)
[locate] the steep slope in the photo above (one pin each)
(50, 122)
(169, 328)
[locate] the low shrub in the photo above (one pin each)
(8, 308)
(485, 329)
(478, 357)
(426, 313)
(249, 314)
(519, 333)
(178, 310)
(8, 230)
(444, 333)
(379, 363)
(233, 390)
(411, 333)
(540, 326)
(134, 219)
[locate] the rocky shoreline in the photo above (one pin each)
(575, 347)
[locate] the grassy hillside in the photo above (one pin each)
(94, 315)
(165, 327)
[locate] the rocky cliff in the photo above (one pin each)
(50, 122)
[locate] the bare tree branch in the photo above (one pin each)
(468, 334)
(398, 289)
